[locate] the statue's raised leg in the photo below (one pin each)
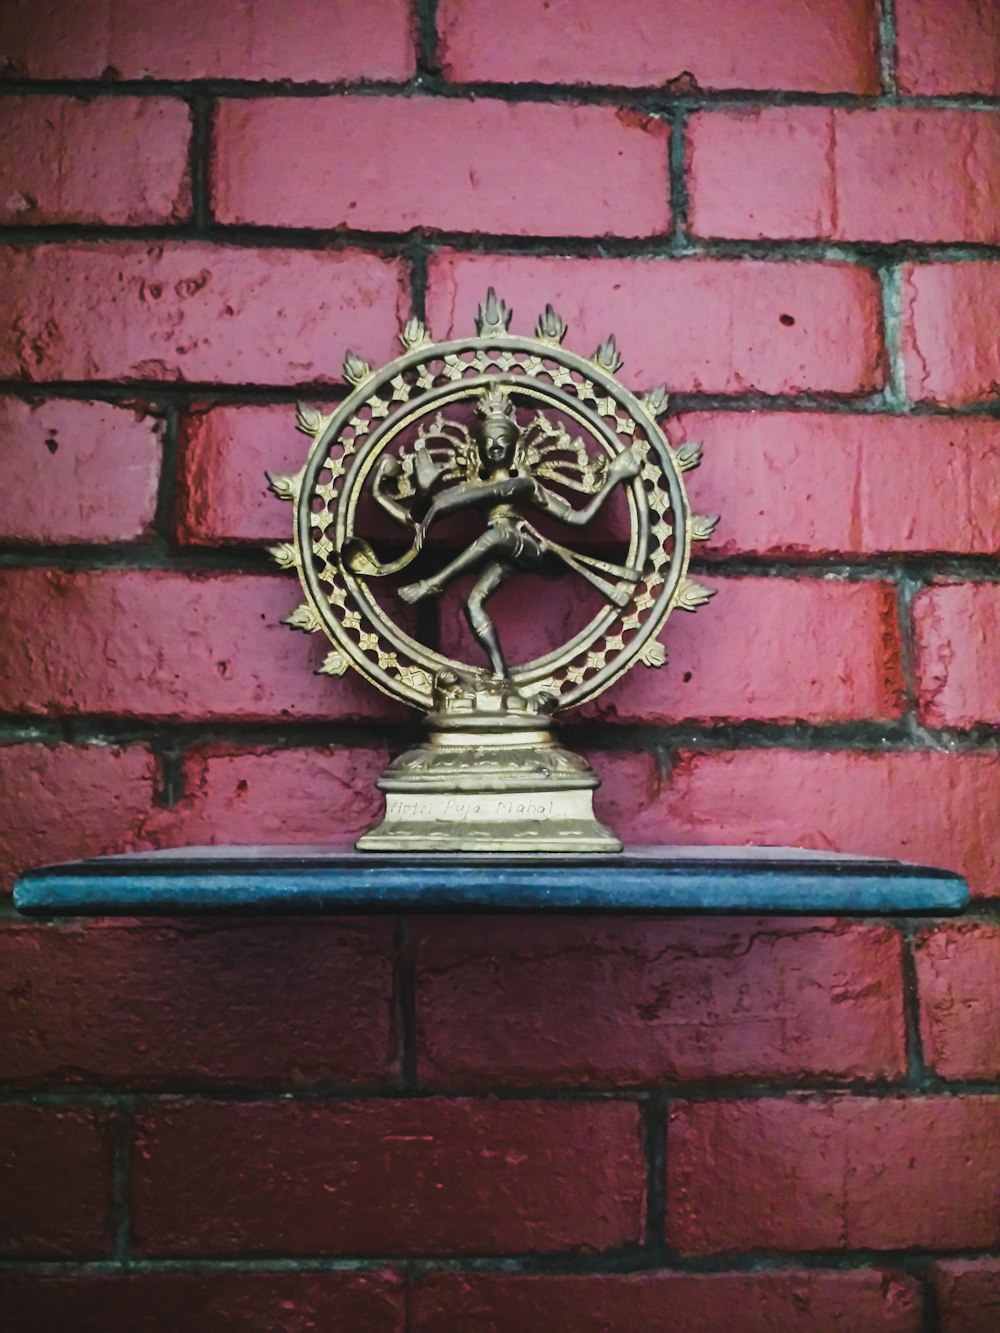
(489, 543)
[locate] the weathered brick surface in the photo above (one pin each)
(265, 149)
(204, 1302)
(950, 348)
(944, 49)
(97, 641)
(464, 1177)
(265, 40)
(968, 1295)
(55, 1182)
(316, 795)
(699, 324)
(733, 659)
(280, 1098)
(282, 1002)
(804, 1301)
(925, 806)
(61, 802)
(195, 311)
(56, 169)
(59, 458)
(833, 1173)
(709, 44)
(958, 971)
(958, 672)
(808, 172)
(222, 491)
(818, 483)
(639, 1002)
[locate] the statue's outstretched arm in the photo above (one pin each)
(464, 495)
(624, 467)
(388, 467)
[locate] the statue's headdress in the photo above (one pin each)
(497, 411)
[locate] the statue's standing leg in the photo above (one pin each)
(492, 577)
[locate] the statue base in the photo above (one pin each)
(489, 783)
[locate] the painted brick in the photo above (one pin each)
(60, 459)
(656, 43)
(632, 786)
(950, 348)
(958, 970)
(283, 1002)
(817, 483)
(731, 660)
(807, 172)
(946, 49)
(838, 1173)
(204, 1302)
(810, 1301)
(519, 169)
(59, 166)
(635, 1002)
(301, 40)
(925, 806)
(129, 311)
(61, 802)
(223, 454)
(958, 674)
(55, 1182)
(97, 641)
(700, 324)
(313, 795)
(968, 1295)
(734, 659)
(463, 1177)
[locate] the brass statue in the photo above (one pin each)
(497, 479)
(505, 429)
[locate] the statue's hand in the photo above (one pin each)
(624, 467)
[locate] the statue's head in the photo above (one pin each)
(499, 431)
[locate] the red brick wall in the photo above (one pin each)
(790, 213)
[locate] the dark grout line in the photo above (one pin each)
(167, 485)
(891, 283)
(865, 737)
(202, 107)
(887, 49)
(428, 81)
(917, 1075)
(907, 586)
(410, 1277)
(654, 1118)
(121, 1175)
(154, 396)
(641, 1095)
(406, 1004)
(678, 177)
(158, 554)
(631, 1261)
(428, 73)
(666, 247)
(171, 777)
(417, 253)
(930, 1313)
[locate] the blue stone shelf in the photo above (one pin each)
(194, 880)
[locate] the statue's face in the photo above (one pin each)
(497, 443)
